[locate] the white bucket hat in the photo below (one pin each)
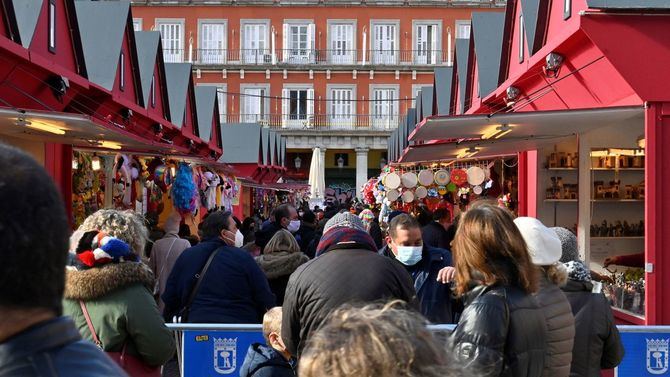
(544, 246)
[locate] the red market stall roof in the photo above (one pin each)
(92, 65)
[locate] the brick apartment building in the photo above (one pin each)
(337, 74)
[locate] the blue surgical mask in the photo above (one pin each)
(409, 255)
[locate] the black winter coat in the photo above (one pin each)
(354, 276)
(435, 235)
(502, 332)
(597, 343)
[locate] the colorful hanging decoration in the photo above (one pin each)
(184, 191)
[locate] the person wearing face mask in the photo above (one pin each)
(430, 267)
(285, 217)
(232, 288)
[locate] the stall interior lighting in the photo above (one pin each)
(41, 126)
(110, 145)
(95, 163)
(75, 164)
(497, 132)
(467, 153)
(641, 142)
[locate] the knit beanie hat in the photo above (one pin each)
(346, 220)
(544, 246)
(577, 271)
(570, 251)
(98, 248)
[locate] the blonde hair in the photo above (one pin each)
(272, 322)
(283, 240)
(373, 341)
(489, 248)
(124, 225)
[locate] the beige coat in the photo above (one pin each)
(164, 254)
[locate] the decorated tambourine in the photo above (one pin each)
(392, 195)
(426, 178)
(392, 181)
(408, 196)
(459, 177)
(408, 180)
(421, 192)
(477, 190)
(476, 175)
(441, 177)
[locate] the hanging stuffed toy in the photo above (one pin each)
(122, 181)
(98, 248)
(210, 193)
(184, 192)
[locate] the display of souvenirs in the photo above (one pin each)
(600, 191)
(564, 160)
(87, 187)
(560, 190)
(617, 229)
(627, 290)
(620, 162)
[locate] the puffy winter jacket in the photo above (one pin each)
(502, 332)
(263, 361)
(597, 343)
(354, 276)
(122, 309)
(560, 329)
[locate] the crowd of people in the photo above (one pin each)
(338, 292)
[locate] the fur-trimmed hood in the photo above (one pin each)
(281, 263)
(93, 283)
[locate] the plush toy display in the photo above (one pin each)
(122, 179)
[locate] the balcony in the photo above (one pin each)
(321, 122)
(321, 58)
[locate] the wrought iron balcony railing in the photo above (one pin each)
(321, 122)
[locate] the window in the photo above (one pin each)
(297, 107)
(212, 42)
(122, 72)
(172, 35)
(567, 9)
(52, 26)
(426, 48)
(384, 107)
(153, 90)
(521, 38)
(255, 43)
(342, 106)
(342, 47)
(384, 43)
(298, 42)
(463, 29)
(254, 104)
(221, 102)
(137, 24)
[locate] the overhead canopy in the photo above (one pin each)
(525, 124)
(529, 131)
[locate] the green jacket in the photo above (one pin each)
(122, 310)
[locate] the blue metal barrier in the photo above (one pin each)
(219, 349)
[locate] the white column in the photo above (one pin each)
(361, 169)
(323, 170)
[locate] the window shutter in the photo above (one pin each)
(433, 45)
(310, 42)
(285, 47)
(284, 107)
(310, 106)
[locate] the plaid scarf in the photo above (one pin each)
(344, 238)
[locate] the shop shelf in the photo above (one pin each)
(618, 238)
(561, 200)
(618, 200)
(621, 169)
(562, 169)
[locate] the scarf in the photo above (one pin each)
(344, 238)
(577, 271)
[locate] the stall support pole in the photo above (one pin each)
(58, 163)
(657, 205)
(527, 183)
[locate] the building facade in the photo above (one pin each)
(339, 75)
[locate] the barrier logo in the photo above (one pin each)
(657, 355)
(225, 355)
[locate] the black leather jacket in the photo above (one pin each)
(502, 332)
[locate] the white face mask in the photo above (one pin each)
(409, 255)
(239, 239)
(293, 226)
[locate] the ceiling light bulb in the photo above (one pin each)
(110, 145)
(45, 127)
(95, 163)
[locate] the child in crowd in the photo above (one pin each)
(270, 359)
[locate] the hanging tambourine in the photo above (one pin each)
(476, 175)
(392, 181)
(392, 195)
(426, 177)
(441, 177)
(442, 189)
(408, 180)
(477, 190)
(421, 192)
(408, 196)
(459, 177)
